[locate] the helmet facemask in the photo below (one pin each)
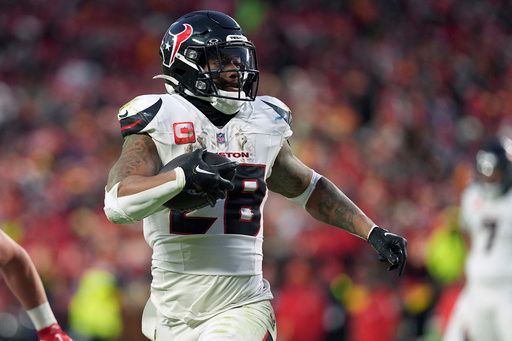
(225, 71)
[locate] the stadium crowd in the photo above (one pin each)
(391, 99)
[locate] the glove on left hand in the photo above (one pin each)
(390, 246)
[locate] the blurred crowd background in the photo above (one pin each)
(391, 99)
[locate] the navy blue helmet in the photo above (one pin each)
(200, 47)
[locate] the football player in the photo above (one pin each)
(484, 308)
(207, 263)
(21, 277)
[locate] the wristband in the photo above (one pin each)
(370, 232)
(42, 316)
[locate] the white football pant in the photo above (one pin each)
(484, 313)
(252, 322)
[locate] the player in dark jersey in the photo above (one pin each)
(207, 272)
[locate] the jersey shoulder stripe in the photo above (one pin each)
(279, 107)
(136, 114)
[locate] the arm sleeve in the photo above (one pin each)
(131, 208)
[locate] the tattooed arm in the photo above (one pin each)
(134, 189)
(137, 167)
(290, 177)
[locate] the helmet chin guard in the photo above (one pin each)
(228, 104)
(205, 54)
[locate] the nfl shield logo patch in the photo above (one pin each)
(221, 138)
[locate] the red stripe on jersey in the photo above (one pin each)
(131, 125)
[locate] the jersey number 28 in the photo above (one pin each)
(242, 207)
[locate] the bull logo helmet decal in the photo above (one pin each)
(177, 40)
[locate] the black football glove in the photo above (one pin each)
(391, 247)
(203, 179)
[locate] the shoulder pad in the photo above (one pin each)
(279, 107)
(136, 114)
(470, 191)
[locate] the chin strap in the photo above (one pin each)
(229, 106)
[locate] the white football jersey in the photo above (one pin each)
(222, 242)
(489, 222)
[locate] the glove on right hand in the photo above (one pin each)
(204, 179)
